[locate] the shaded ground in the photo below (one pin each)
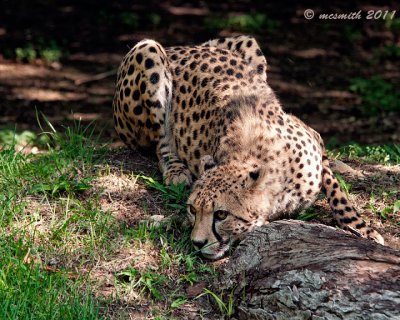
(311, 62)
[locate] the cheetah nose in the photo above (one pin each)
(199, 244)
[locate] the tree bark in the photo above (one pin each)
(294, 270)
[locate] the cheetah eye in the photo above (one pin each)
(221, 215)
(191, 209)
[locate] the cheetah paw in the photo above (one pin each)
(178, 177)
(368, 233)
(374, 235)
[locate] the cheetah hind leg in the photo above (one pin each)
(149, 105)
(343, 211)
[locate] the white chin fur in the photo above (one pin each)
(215, 255)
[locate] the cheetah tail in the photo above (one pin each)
(343, 211)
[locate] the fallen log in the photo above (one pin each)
(294, 270)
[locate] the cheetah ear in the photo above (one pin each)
(206, 162)
(255, 178)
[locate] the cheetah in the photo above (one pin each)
(210, 115)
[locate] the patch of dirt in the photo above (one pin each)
(126, 198)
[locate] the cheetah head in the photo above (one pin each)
(227, 201)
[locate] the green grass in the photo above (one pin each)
(226, 308)
(9, 137)
(175, 196)
(50, 210)
(28, 233)
(49, 53)
(389, 51)
(377, 95)
(29, 292)
(308, 214)
(386, 154)
(246, 23)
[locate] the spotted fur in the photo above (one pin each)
(211, 116)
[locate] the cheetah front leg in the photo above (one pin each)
(343, 211)
(173, 169)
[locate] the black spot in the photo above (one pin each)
(343, 200)
(229, 72)
(121, 124)
(154, 78)
(136, 95)
(239, 75)
(123, 137)
(361, 225)
(143, 87)
(139, 58)
(137, 78)
(152, 49)
(254, 174)
(223, 59)
(249, 43)
(238, 45)
(204, 67)
(138, 110)
(197, 154)
(259, 53)
(149, 63)
(126, 108)
(183, 61)
(335, 186)
(217, 69)
(157, 104)
(350, 220)
(131, 69)
(127, 92)
(186, 76)
(196, 116)
(148, 124)
(335, 202)
(129, 126)
(193, 65)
